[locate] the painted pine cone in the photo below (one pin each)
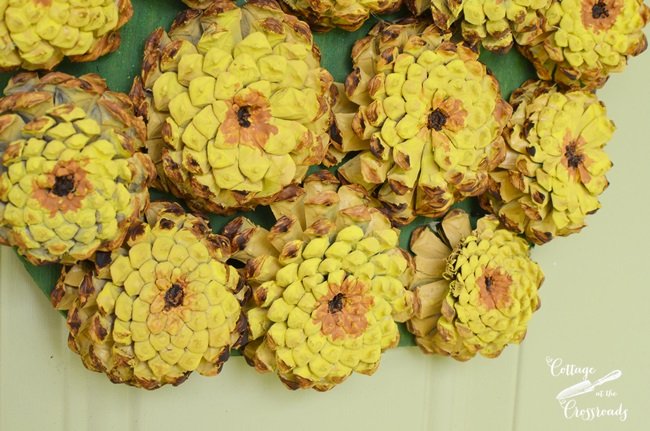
(555, 168)
(426, 116)
(158, 308)
(329, 281)
(475, 290)
(238, 107)
(198, 4)
(586, 40)
(323, 15)
(496, 24)
(71, 177)
(38, 34)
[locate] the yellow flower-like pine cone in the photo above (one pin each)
(426, 117)
(198, 4)
(475, 291)
(160, 307)
(586, 40)
(37, 34)
(72, 178)
(238, 107)
(555, 168)
(328, 282)
(496, 24)
(323, 15)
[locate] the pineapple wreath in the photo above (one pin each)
(419, 233)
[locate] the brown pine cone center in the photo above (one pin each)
(335, 304)
(494, 288)
(599, 10)
(488, 283)
(437, 120)
(243, 116)
(63, 185)
(573, 156)
(174, 296)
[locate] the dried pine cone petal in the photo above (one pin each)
(160, 307)
(323, 15)
(475, 291)
(496, 24)
(555, 168)
(238, 107)
(328, 282)
(586, 40)
(38, 34)
(71, 177)
(427, 117)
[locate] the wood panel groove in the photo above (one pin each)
(517, 383)
(427, 419)
(3, 414)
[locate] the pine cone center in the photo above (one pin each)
(342, 312)
(599, 10)
(63, 185)
(174, 296)
(600, 15)
(488, 283)
(243, 117)
(437, 120)
(494, 288)
(335, 304)
(573, 156)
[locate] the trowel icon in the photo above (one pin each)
(586, 386)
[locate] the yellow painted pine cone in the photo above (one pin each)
(586, 40)
(328, 282)
(38, 34)
(496, 24)
(323, 15)
(72, 179)
(426, 117)
(555, 168)
(198, 4)
(238, 107)
(160, 307)
(475, 291)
